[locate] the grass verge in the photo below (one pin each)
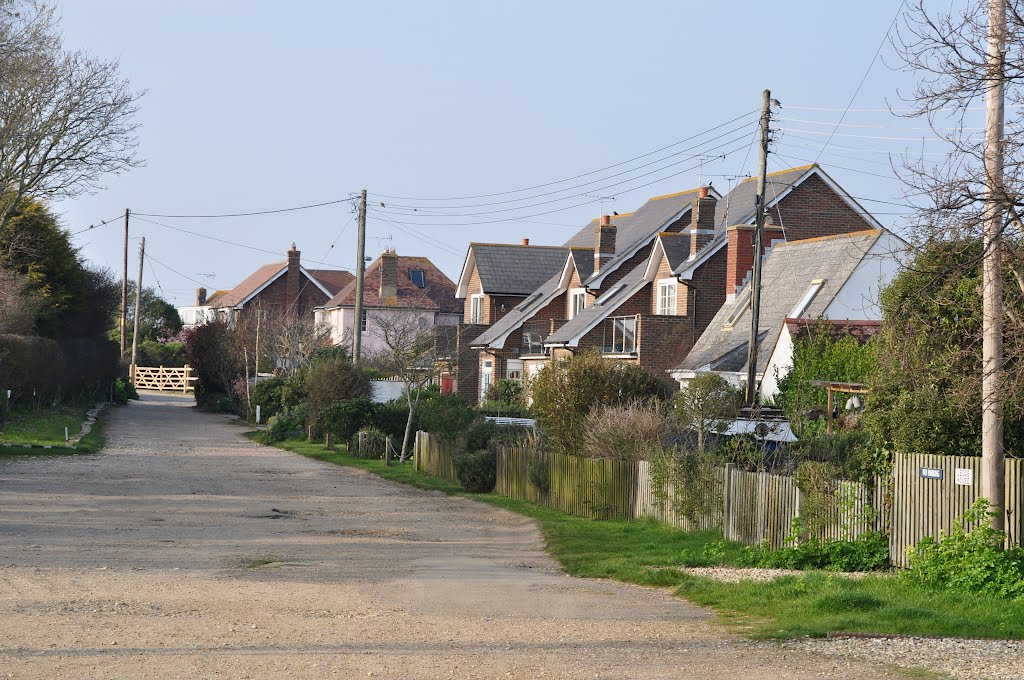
(29, 431)
(647, 552)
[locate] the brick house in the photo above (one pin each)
(393, 284)
(280, 289)
(827, 280)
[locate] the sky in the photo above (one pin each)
(253, 106)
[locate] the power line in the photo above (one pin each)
(175, 271)
(94, 226)
(569, 179)
(881, 44)
(584, 184)
(225, 241)
(249, 214)
(440, 245)
(876, 127)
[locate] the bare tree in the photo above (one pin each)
(66, 118)
(407, 352)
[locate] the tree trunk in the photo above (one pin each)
(408, 426)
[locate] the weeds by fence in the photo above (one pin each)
(753, 507)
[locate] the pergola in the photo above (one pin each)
(832, 388)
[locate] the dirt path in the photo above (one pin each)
(185, 551)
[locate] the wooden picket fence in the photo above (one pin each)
(751, 507)
(162, 378)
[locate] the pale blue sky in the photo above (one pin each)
(263, 105)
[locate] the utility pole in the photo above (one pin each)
(357, 323)
(138, 308)
(124, 286)
(755, 277)
(992, 465)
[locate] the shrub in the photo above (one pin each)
(374, 444)
(391, 417)
(867, 552)
(969, 560)
(333, 378)
(565, 390)
(267, 394)
(853, 454)
(538, 474)
(123, 391)
(476, 471)
(446, 416)
(211, 351)
(345, 418)
(632, 431)
(286, 424)
(512, 435)
(706, 406)
(155, 353)
(479, 435)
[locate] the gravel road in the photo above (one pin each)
(185, 551)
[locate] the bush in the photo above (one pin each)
(853, 454)
(333, 378)
(155, 353)
(374, 444)
(286, 424)
(867, 552)
(631, 431)
(344, 419)
(446, 416)
(267, 394)
(538, 474)
(123, 391)
(477, 471)
(707, 405)
(213, 356)
(479, 435)
(565, 390)
(969, 560)
(391, 417)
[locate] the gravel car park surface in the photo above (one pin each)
(183, 550)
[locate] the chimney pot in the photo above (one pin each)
(606, 220)
(703, 192)
(526, 241)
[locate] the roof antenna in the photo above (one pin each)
(700, 166)
(601, 200)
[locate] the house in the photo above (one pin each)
(394, 286)
(495, 279)
(281, 289)
(202, 311)
(835, 278)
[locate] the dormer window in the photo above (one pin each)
(577, 301)
(667, 297)
(418, 278)
(807, 299)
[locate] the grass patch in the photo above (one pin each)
(262, 562)
(43, 427)
(648, 552)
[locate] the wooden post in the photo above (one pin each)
(727, 500)
(184, 387)
(328, 444)
(831, 404)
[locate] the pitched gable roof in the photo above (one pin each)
(605, 304)
(334, 280)
(438, 293)
(508, 269)
(267, 274)
(580, 260)
(789, 271)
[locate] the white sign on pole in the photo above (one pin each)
(964, 476)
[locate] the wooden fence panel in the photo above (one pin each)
(162, 378)
(434, 458)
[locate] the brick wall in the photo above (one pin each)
(740, 255)
(276, 298)
(467, 373)
(813, 209)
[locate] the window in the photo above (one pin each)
(514, 370)
(667, 297)
(623, 335)
(577, 301)
(365, 323)
(486, 371)
(807, 299)
(740, 305)
(476, 309)
(418, 278)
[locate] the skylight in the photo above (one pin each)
(807, 299)
(610, 294)
(742, 302)
(418, 277)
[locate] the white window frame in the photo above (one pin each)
(366, 321)
(476, 308)
(577, 295)
(486, 375)
(623, 343)
(667, 288)
(807, 299)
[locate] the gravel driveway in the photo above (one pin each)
(186, 551)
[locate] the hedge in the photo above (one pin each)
(44, 368)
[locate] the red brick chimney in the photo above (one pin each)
(293, 280)
(739, 259)
(604, 242)
(389, 277)
(702, 221)
(200, 297)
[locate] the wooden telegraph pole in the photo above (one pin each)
(138, 308)
(357, 323)
(992, 465)
(124, 287)
(755, 278)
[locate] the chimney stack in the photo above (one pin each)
(200, 297)
(739, 256)
(389, 277)
(293, 280)
(526, 241)
(604, 242)
(702, 221)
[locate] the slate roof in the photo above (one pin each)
(596, 311)
(507, 269)
(677, 249)
(788, 272)
(583, 260)
(737, 207)
(438, 294)
(633, 229)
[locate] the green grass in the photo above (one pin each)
(647, 552)
(45, 427)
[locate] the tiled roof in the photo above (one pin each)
(583, 259)
(217, 294)
(249, 285)
(860, 330)
(438, 293)
(788, 272)
(334, 280)
(514, 269)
